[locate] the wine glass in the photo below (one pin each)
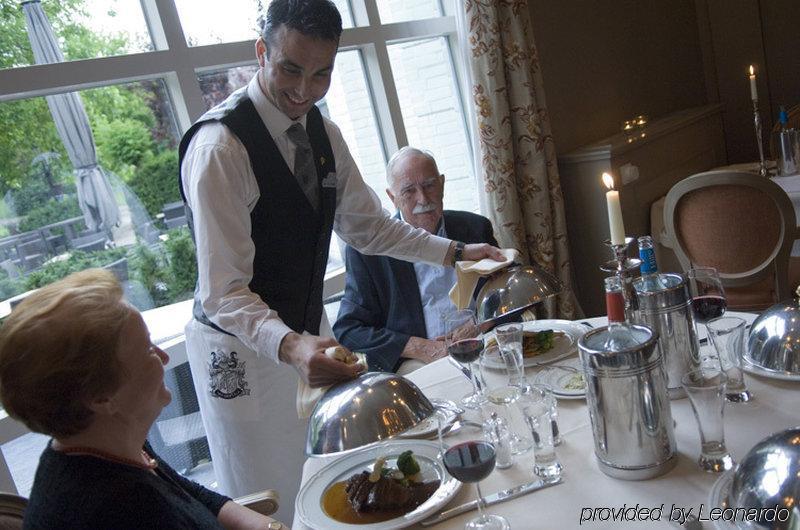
(707, 299)
(464, 343)
(473, 461)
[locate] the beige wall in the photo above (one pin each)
(765, 33)
(606, 61)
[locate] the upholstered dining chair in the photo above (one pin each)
(741, 224)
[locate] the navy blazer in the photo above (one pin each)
(381, 307)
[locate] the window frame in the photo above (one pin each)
(179, 64)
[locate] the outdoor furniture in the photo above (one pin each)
(174, 215)
(90, 242)
(32, 250)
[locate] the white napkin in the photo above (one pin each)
(468, 272)
(307, 397)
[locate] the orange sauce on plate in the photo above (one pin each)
(335, 505)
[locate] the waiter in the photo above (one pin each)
(266, 179)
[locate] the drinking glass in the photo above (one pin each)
(464, 343)
(706, 389)
(727, 335)
(708, 301)
(547, 392)
(509, 342)
(500, 400)
(536, 408)
(472, 462)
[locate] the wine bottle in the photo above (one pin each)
(651, 280)
(620, 336)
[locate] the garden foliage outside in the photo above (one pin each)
(135, 136)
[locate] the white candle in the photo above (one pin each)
(753, 88)
(615, 225)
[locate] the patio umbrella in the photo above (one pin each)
(95, 196)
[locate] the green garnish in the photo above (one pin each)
(407, 464)
(544, 339)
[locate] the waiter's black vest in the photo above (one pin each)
(290, 237)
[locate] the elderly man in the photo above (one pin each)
(266, 179)
(392, 309)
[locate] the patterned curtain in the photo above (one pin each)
(520, 173)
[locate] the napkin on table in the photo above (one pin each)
(468, 272)
(307, 397)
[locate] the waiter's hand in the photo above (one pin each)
(478, 251)
(307, 354)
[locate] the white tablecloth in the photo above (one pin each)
(585, 486)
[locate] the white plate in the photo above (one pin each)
(718, 498)
(429, 427)
(562, 346)
(309, 499)
(557, 379)
(749, 367)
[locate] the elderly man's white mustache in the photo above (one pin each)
(423, 208)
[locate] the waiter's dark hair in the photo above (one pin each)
(315, 18)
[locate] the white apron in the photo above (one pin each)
(249, 413)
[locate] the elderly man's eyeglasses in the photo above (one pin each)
(428, 185)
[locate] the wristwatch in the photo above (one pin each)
(458, 253)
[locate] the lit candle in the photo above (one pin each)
(615, 225)
(753, 88)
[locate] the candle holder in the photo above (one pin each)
(624, 267)
(762, 168)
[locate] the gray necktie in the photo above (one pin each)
(304, 169)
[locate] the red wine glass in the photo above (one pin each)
(464, 343)
(707, 298)
(473, 461)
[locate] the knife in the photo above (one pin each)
(494, 498)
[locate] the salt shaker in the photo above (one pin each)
(496, 431)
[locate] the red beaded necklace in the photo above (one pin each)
(147, 463)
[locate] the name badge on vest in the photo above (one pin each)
(329, 181)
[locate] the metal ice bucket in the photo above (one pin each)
(668, 312)
(626, 392)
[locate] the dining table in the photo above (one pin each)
(586, 496)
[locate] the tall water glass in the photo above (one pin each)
(547, 392)
(509, 342)
(535, 407)
(464, 343)
(706, 391)
(727, 335)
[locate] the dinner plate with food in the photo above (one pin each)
(392, 485)
(543, 341)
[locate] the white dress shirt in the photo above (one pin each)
(221, 191)
(435, 282)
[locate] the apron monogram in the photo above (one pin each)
(227, 376)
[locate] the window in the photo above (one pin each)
(237, 22)
(144, 70)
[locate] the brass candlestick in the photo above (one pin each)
(624, 267)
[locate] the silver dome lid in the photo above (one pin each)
(510, 291)
(774, 341)
(769, 476)
(372, 407)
